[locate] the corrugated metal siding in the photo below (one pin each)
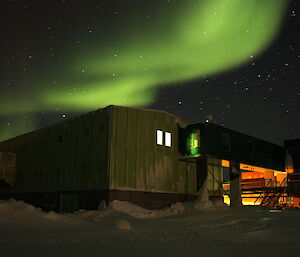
(7, 169)
(214, 176)
(138, 163)
(192, 178)
(71, 155)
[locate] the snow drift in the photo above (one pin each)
(123, 229)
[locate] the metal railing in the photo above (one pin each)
(272, 192)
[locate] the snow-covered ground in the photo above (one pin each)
(124, 229)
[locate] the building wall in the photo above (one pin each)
(7, 169)
(116, 149)
(214, 177)
(71, 155)
(243, 148)
(138, 163)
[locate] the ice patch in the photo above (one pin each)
(94, 216)
(221, 225)
(123, 225)
(142, 213)
(275, 210)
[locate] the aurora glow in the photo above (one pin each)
(183, 40)
(208, 37)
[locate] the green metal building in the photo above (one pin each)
(148, 157)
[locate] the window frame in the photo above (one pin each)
(168, 135)
(225, 138)
(159, 137)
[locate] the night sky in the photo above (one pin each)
(233, 62)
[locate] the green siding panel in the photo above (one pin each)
(132, 148)
(142, 137)
(151, 149)
(121, 148)
(214, 176)
(137, 162)
(192, 178)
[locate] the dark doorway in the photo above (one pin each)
(201, 166)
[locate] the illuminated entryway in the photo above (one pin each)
(258, 185)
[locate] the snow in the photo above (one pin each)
(124, 229)
(141, 213)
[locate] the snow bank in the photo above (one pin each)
(203, 202)
(13, 208)
(17, 211)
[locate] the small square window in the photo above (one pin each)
(225, 142)
(159, 137)
(168, 139)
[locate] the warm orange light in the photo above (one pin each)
(252, 200)
(258, 177)
(226, 199)
(225, 163)
(245, 201)
(296, 202)
(252, 168)
(250, 175)
(259, 169)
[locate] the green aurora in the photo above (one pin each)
(183, 42)
(208, 37)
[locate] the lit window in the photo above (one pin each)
(196, 142)
(159, 137)
(193, 143)
(168, 139)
